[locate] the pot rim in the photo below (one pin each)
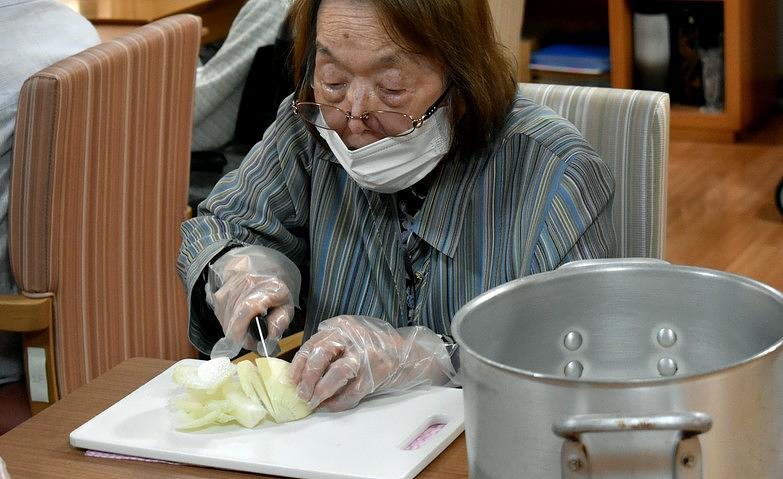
(610, 265)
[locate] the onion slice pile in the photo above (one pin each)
(218, 392)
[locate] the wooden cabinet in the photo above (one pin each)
(750, 59)
(507, 16)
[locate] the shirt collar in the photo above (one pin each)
(443, 213)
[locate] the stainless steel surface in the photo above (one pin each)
(667, 337)
(682, 459)
(689, 423)
(572, 341)
(573, 369)
(667, 367)
(727, 352)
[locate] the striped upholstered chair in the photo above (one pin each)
(99, 189)
(630, 130)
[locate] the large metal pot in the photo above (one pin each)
(624, 369)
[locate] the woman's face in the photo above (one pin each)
(358, 68)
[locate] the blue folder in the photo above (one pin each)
(571, 58)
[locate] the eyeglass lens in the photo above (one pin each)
(386, 123)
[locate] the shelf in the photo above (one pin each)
(750, 59)
(690, 123)
(750, 55)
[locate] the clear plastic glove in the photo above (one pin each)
(247, 282)
(353, 357)
(3, 471)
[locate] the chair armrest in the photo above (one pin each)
(21, 314)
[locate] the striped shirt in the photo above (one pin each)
(538, 197)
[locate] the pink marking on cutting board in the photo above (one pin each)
(425, 436)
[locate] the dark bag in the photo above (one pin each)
(269, 81)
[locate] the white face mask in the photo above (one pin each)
(393, 164)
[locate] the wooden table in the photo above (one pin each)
(39, 447)
(113, 18)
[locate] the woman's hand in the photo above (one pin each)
(246, 295)
(352, 357)
(248, 282)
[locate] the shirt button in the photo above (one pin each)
(418, 275)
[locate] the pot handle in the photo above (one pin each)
(690, 423)
(577, 462)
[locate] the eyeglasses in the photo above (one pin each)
(382, 122)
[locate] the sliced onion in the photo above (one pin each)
(220, 394)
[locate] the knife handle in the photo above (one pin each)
(262, 323)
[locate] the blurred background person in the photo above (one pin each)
(239, 85)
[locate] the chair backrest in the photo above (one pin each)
(99, 188)
(630, 130)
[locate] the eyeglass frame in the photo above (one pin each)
(415, 123)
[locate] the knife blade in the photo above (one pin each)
(260, 333)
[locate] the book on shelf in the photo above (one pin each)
(565, 63)
(560, 78)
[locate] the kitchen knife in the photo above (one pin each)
(259, 333)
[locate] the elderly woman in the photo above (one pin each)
(404, 177)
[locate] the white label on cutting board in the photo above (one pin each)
(370, 441)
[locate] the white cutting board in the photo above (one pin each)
(366, 442)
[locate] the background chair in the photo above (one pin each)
(630, 130)
(99, 189)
